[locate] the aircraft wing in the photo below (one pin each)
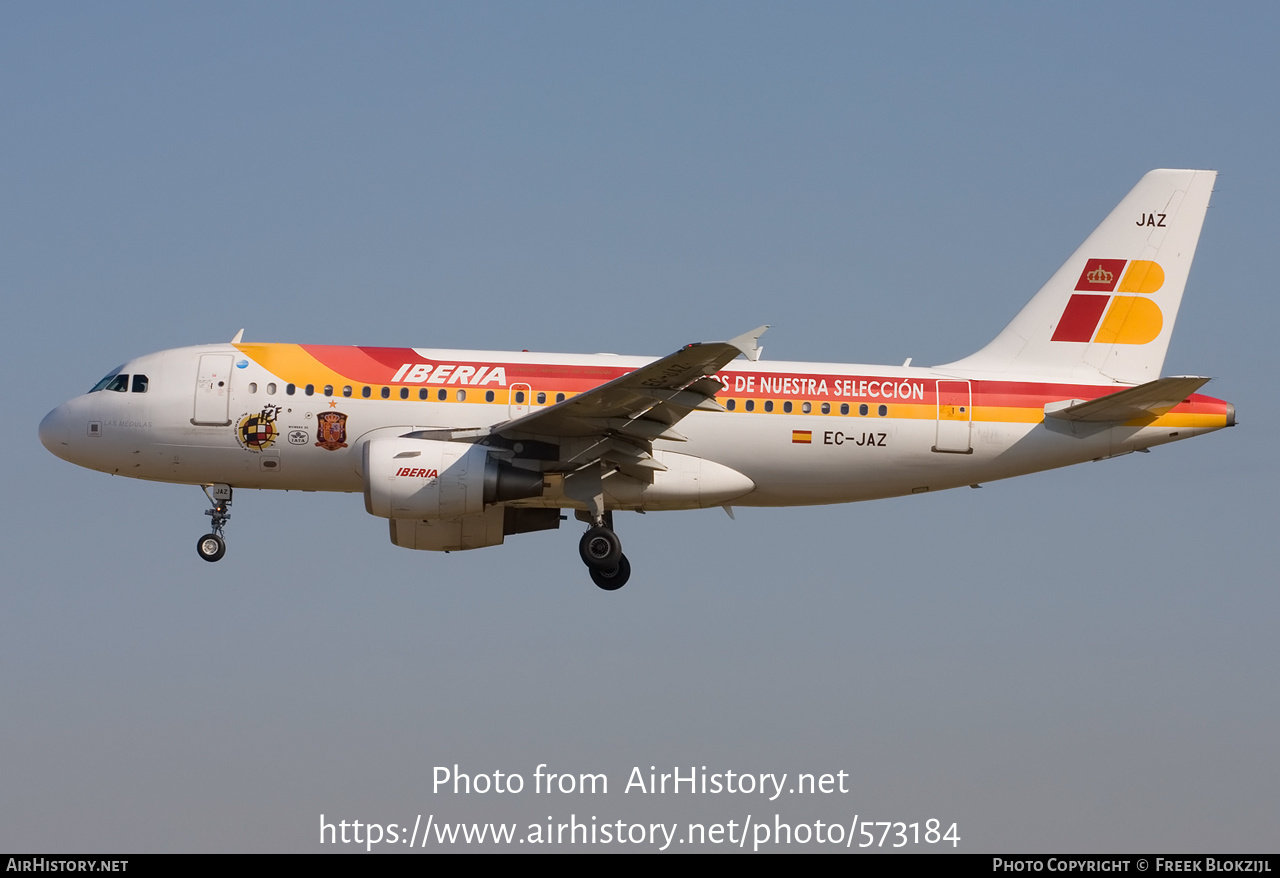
(629, 412)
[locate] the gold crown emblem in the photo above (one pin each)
(1100, 276)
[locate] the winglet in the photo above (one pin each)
(239, 335)
(749, 342)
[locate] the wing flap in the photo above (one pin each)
(645, 428)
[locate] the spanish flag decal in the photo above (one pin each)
(802, 437)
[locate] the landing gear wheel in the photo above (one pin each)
(612, 580)
(211, 547)
(600, 549)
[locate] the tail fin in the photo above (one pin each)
(1108, 312)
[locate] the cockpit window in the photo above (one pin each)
(120, 384)
(109, 382)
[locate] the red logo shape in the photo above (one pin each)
(1080, 318)
(1100, 275)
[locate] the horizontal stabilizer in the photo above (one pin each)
(1150, 400)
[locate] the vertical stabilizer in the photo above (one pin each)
(1108, 312)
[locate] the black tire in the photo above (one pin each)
(600, 548)
(211, 547)
(612, 580)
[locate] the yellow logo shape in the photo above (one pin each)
(1143, 276)
(1130, 320)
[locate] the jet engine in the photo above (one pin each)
(427, 478)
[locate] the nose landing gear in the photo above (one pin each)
(212, 546)
(601, 551)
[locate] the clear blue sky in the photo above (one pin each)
(1081, 660)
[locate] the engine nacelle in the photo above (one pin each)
(427, 478)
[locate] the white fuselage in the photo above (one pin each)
(910, 439)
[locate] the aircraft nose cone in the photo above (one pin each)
(55, 432)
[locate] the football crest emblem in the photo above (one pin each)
(331, 430)
(257, 432)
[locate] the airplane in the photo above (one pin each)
(460, 449)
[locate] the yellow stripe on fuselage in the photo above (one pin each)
(292, 364)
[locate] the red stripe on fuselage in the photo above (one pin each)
(378, 365)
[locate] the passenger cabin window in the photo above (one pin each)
(290, 389)
(559, 397)
(365, 392)
(253, 386)
(386, 393)
(768, 405)
(422, 393)
(346, 391)
(442, 394)
(462, 395)
(786, 406)
(519, 396)
(139, 384)
(542, 398)
(328, 390)
(271, 389)
(488, 396)
(404, 393)
(310, 390)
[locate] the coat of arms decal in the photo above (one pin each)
(331, 430)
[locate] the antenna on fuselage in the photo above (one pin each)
(239, 335)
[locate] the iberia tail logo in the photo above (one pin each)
(1129, 319)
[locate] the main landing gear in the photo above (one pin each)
(212, 546)
(601, 551)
